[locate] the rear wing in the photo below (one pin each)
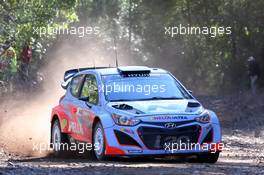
(70, 73)
(68, 76)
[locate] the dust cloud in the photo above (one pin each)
(25, 117)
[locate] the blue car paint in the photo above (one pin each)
(105, 109)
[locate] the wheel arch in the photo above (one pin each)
(95, 121)
(217, 132)
(53, 119)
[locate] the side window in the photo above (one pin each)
(90, 89)
(75, 85)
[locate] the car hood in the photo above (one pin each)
(182, 106)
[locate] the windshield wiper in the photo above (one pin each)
(120, 100)
(152, 98)
(165, 98)
(160, 98)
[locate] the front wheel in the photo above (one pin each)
(99, 142)
(208, 157)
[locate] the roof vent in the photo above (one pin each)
(134, 71)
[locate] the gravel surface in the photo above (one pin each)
(243, 154)
(243, 136)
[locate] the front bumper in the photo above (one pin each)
(155, 139)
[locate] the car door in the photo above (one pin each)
(72, 104)
(89, 100)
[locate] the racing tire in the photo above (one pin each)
(208, 157)
(99, 142)
(59, 140)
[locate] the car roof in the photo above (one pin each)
(116, 70)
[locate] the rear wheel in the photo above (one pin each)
(99, 142)
(59, 140)
(208, 157)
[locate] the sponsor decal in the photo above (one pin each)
(84, 117)
(75, 128)
(135, 151)
(82, 112)
(169, 118)
(64, 123)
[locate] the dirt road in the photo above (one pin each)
(55, 166)
(243, 152)
(243, 155)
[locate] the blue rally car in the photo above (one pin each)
(132, 111)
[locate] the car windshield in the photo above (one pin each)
(152, 87)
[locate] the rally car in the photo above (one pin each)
(133, 111)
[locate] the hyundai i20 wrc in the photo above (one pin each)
(133, 111)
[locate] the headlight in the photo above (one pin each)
(125, 121)
(204, 118)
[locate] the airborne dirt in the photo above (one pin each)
(242, 135)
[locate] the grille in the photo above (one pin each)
(155, 138)
(125, 139)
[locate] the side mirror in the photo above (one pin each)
(86, 99)
(190, 91)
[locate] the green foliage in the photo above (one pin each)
(22, 17)
(213, 64)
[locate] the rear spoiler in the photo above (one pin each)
(68, 76)
(70, 73)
